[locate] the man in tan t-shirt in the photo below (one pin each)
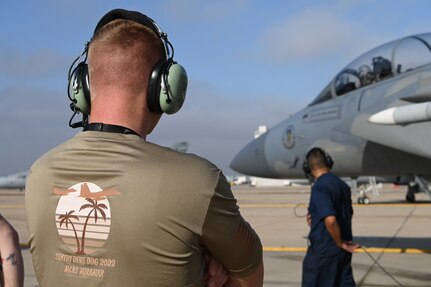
(108, 208)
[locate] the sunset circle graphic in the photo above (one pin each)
(83, 217)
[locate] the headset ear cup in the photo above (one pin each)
(306, 167)
(173, 91)
(329, 161)
(79, 89)
(167, 87)
(154, 86)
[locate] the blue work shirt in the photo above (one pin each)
(329, 196)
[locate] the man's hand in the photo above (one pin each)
(308, 218)
(215, 274)
(334, 230)
(349, 246)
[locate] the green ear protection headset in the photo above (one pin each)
(167, 84)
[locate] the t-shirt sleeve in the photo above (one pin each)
(324, 205)
(227, 236)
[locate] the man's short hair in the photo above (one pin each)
(124, 51)
(317, 158)
(123, 33)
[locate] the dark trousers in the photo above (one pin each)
(327, 271)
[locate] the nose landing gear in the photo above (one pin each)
(370, 187)
(412, 189)
(364, 200)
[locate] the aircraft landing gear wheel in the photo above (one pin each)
(410, 197)
(363, 200)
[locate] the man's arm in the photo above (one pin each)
(231, 240)
(255, 279)
(10, 252)
(215, 274)
(333, 228)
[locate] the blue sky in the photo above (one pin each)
(249, 63)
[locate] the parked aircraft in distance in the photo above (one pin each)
(14, 181)
(373, 118)
(182, 146)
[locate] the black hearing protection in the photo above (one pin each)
(167, 84)
(328, 160)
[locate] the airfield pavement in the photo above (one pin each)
(396, 234)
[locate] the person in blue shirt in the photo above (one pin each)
(329, 255)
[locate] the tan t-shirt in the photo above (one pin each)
(107, 209)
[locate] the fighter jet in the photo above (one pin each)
(14, 181)
(373, 118)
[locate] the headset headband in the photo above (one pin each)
(139, 18)
(127, 15)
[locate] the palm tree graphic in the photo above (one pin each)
(96, 208)
(67, 218)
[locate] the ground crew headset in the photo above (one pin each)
(328, 160)
(168, 81)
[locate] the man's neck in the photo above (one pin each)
(102, 127)
(319, 172)
(109, 121)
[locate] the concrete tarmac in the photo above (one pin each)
(395, 233)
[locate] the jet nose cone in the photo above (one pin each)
(251, 159)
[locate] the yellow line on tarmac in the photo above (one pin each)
(392, 204)
(287, 205)
(360, 250)
(12, 206)
(285, 249)
(394, 250)
(276, 205)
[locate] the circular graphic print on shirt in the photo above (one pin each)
(83, 217)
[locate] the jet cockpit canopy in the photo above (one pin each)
(381, 63)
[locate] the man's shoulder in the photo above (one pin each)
(338, 180)
(328, 177)
(181, 159)
(48, 156)
(323, 180)
(328, 182)
(331, 183)
(141, 155)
